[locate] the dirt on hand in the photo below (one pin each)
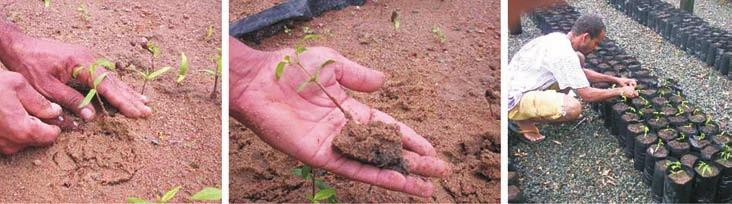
(375, 143)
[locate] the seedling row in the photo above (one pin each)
(688, 32)
(679, 150)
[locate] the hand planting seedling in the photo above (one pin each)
(182, 69)
(215, 72)
(98, 80)
(320, 190)
(439, 34)
(376, 143)
(207, 194)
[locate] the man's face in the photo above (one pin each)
(587, 44)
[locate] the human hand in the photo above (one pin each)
(626, 82)
(628, 91)
(21, 106)
(47, 65)
(304, 124)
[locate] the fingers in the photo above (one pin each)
(68, 98)
(130, 103)
(384, 178)
(410, 139)
(41, 134)
(36, 104)
(426, 165)
(356, 77)
(29, 131)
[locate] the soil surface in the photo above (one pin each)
(109, 160)
(435, 88)
(376, 143)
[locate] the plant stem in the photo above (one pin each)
(312, 181)
(99, 99)
(216, 82)
(144, 83)
(348, 115)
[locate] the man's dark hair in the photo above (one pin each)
(591, 24)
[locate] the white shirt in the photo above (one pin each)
(541, 63)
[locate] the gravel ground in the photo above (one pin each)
(716, 12)
(704, 87)
(574, 164)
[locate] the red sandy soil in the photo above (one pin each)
(109, 163)
(437, 89)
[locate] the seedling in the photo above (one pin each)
(704, 168)
(645, 131)
(182, 68)
(439, 34)
(215, 72)
(98, 80)
(702, 136)
(209, 33)
(708, 120)
(683, 136)
(287, 60)
(207, 194)
(320, 190)
(675, 167)
(148, 75)
(658, 145)
(726, 152)
(395, 19)
(84, 12)
(46, 3)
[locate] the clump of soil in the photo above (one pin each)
(376, 143)
(680, 177)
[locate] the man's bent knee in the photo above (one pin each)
(572, 108)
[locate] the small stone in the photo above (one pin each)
(37, 162)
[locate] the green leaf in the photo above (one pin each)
(209, 32)
(306, 171)
(99, 79)
(183, 68)
(300, 50)
(311, 37)
(208, 194)
(46, 3)
(136, 200)
(87, 99)
(320, 184)
(280, 68)
(297, 171)
(324, 194)
(303, 85)
(76, 72)
(152, 48)
(158, 72)
(106, 64)
(211, 72)
(395, 19)
(170, 194)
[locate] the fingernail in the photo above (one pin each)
(148, 110)
(56, 108)
(87, 114)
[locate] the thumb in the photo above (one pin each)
(356, 77)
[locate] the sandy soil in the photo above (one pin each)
(437, 89)
(111, 160)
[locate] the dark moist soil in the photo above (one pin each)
(680, 177)
(667, 134)
(106, 161)
(376, 143)
(435, 88)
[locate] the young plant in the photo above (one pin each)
(704, 168)
(702, 136)
(439, 34)
(726, 152)
(207, 194)
(320, 190)
(84, 12)
(216, 72)
(658, 145)
(92, 69)
(395, 19)
(182, 68)
(46, 3)
(287, 60)
(675, 167)
(708, 120)
(209, 33)
(645, 131)
(148, 75)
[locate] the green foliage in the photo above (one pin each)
(323, 192)
(98, 80)
(152, 48)
(46, 3)
(182, 68)
(704, 168)
(439, 34)
(217, 60)
(207, 194)
(209, 32)
(149, 76)
(658, 145)
(395, 19)
(106, 64)
(675, 167)
(726, 152)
